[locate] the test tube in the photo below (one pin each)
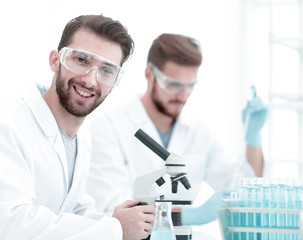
(258, 199)
(272, 205)
(298, 191)
(289, 205)
(265, 205)
(250, 217)
(298, 201)
(234, 216)
(258, 196)
(281, 204)
(242, 203)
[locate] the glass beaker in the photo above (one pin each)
(163, 226)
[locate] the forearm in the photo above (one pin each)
(255, 158)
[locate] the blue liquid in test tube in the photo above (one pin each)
(298, 200)
(258, 196)
(281, 204)
(235, 216)
(250, 217)
(272, 205)
(265, 205)
(290, 204)
(242, 203)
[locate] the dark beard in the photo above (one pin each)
(71, 107)
(161, 108)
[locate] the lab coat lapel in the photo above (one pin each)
(176, 142)
(80, 174)
(48, 124)
(79, 167)
(60, 150)
(175, 139)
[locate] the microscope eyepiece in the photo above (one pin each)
(152, 144)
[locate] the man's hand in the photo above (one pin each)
(136, 221)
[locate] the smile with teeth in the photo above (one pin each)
(82, 93)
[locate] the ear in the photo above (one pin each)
(149, 75)
(54, 61)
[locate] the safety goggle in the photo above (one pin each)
(82, 62)
(170, 85)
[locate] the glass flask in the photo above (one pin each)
(163, 226)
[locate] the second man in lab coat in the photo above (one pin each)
(171, 73)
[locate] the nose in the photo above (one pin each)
(90, 78)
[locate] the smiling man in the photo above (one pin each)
(45, 156)
(76, 93)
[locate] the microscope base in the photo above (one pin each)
(183, 233)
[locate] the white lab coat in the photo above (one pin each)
(112, 180)
(34, 198)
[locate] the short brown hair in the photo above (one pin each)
(179, 49)
(102, 26)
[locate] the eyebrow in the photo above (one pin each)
(105, 60)
(114, 66)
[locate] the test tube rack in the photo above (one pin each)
(228, 215)
(263, 209)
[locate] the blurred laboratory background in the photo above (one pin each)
(244, 43)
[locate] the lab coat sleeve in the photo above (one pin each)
(109, 182)
(21, 218)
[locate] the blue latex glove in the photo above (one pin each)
(253, 117)
(207, 212)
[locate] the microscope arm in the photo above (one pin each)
(143, 184)
(174, 166)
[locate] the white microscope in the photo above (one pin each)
(175, 167)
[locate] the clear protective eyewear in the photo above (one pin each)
(171, 85)
(82, 62)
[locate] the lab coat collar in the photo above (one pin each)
(37, 104)
(141, 118)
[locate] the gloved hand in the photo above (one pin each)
(207, 212)
(253, 117)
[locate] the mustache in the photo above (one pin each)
(76, 82)
(177, 101)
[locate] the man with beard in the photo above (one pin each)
(171, 74)
(45, 156)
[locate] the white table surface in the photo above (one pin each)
(210, 231)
